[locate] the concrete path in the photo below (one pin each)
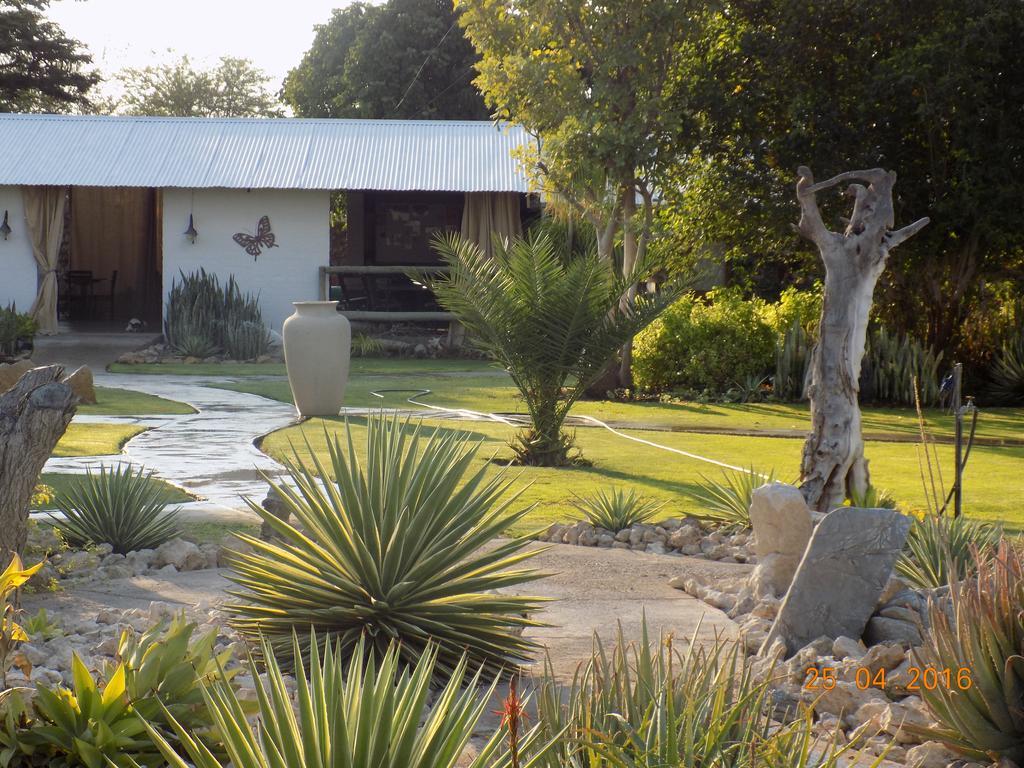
(593, 590)
(211, 453)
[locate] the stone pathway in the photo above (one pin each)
(209, 454)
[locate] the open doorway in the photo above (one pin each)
(112, 272)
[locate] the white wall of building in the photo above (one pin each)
(299, 219)
(18, 279)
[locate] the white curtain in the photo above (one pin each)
(44, 215)
(487, 214)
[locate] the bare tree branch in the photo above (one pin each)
(894, 238)
(872, 176)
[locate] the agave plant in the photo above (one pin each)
(369, 714)
(617, 509)
(726, 502)
(550, 318)
(942, 549)
(401, 550)
(648, 705)
(120, 506)
(981, 642)
(1007, 373)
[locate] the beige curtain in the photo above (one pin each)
(487, 214)
(44, 215)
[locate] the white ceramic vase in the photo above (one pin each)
(317, 348)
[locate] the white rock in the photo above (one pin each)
(931, 754)
(846, 648)
(183, 555)
(782, 527)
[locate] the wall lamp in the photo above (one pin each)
(191, 233)
(5, 228)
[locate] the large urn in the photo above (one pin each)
(317, 347)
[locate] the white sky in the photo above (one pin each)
(135, 33)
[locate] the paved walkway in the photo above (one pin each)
(210, 454)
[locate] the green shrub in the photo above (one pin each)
(726, 502)
(795, 307)
(617, 509)
(713, 343)
(890, 366)
(647, 705)
(941, 549)
(120, 506)
(392, 550)
(981, 641)
(372, 713)
(203, 318)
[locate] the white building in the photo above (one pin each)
(102, 213)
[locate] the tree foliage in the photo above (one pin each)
(233, 88)
(594, 83)
(43, 70)
(405, 59)
(931, 88)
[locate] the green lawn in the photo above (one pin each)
(493, 392)
(124, 402)
(370, 365)
(60, 481)
(95, 439)
(994, 480)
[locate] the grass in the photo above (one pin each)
(494, 392)
(95, 439)
(360, 365)
(125, 402)
(993, 483)
(60, 481)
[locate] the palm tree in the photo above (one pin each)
(551, 319)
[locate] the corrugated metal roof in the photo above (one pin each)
(243, 153)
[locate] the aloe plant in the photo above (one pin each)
(650, 705)
(403, 549)
(942, 549)
(203, 317)
(617, 509)
(120, 506)
(726, 502)
(372, 713)
(981, 641)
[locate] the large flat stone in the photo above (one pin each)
(842, 574)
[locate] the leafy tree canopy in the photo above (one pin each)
(233, 88)
(933, 89)
(405, 59)
(41, 68)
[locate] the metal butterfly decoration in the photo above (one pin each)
(254, 245)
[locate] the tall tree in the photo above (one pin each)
(932, 88)
(233, 88)
(594, 83)
(404, 59)
(43, 69)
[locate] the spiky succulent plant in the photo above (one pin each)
(401, 549)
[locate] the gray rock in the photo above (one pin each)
(931, 754)
(782, 528)
(848, 648)
(656, 548)
(841, 576)
(882, 629)
(690, 549)
(183, 555)
(112, 560)
(683, 535)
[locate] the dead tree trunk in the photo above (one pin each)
(833, 464)
(33, 416)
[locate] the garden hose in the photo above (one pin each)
(520, 421)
